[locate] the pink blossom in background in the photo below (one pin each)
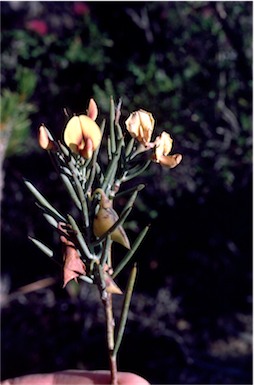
(80, 8)
(37, 26)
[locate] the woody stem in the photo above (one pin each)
(110, 324)
(110, 327)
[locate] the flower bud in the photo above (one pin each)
(82, 135)
(140, 125)
(44, 140)
(92, 111)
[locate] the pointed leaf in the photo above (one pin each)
(42, 200)
(42, 247)
(130, 253)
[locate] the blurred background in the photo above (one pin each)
(190, 64)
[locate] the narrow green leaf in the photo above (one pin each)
(51, 220)
(105, 251)
(80, 239)
(43, 201)
(125, 309)
(86, 279)
(71, 191)
(94, 167)
(131, 252)
(136, 171)
(80, 193)
(129, 147)
(112, 167)
(119, 132)
(42, 247)
(137, 188)
(112, 126)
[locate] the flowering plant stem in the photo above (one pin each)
(93, 185)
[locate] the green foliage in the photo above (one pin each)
(15, 122)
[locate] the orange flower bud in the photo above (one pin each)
(92, 111)
(82, 135)
(140, 125)
(44, 140)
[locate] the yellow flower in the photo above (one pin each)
(140, 125)
(82, 135)
(163, 146)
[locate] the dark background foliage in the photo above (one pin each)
(189, 63)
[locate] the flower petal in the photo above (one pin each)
(82, 135)
(140, 125)
(73, 134)
(170, 161)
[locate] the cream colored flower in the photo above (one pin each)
(82, 135)
(163, 146)
(171, 161)
(140, 125)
